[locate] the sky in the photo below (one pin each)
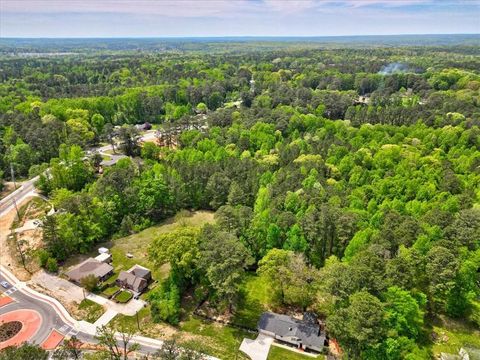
(197, 18)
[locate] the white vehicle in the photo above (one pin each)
(5, 284)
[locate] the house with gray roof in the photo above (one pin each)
(135, 279)
(304, 334)
(88, 267)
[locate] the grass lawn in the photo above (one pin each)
(214, 339)
(108, 292)
(137, 244)
(90, 311)
(123, 296)
(253, 301)
(453, 335)
(193, 333)
(278, 353)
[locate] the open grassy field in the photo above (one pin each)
(192, 332)
(137, 244)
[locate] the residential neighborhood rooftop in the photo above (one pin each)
(88, 267)
(287, 328)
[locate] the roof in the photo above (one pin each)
(286, 326)
(89, 267)
(103, 257)
(139, 271)
(131, 280)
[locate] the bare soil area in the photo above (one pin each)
(9, 257)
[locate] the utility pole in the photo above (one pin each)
(12, 174)
(16, 208)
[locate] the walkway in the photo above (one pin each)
(105, 318)
(69, 292)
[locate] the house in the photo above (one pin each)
(304, 334)
(135, 279)
(89, 267)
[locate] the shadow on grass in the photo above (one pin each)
(248, 311)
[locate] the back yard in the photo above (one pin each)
(137, 244)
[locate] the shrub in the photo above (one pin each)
(51, 265)
(43, 257)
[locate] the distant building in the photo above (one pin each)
(145, 126)
(304, 334)
(136, 279)
(90, 266)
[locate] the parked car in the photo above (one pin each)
(5, 284)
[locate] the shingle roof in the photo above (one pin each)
(286, 326)
(140, 271)
(131, 280)
(89, 267)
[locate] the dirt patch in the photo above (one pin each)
(30, 239)
(8, 255)
(70, 306)
(20, 237)
(36, 208)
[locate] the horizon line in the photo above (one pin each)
(232, 36)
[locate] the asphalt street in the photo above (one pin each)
(51, 319)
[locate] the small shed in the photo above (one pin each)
(103, 250)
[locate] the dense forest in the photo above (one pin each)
(348, 177)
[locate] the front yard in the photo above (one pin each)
(123, 297)
(110, 291)
(89, 311)
(278, 353)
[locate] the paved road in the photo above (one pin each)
(28, 187)
(54, 318)
(6, 204)
(50, 317)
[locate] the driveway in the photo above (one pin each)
(257, 349)
(68, 292)
(64, 290)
